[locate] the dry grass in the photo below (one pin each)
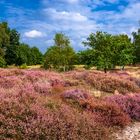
(34, 67)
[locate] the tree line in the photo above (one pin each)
(104, 51)
(12, 52)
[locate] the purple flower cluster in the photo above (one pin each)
(29, 80)
(130, 104)
(107, 82)
(76, 94)
(27, 116)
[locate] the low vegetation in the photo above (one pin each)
(130, 104)
(39, 104)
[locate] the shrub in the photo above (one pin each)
(110, 115)
(10, 72)
(56, 82)
(2, 62)
(26, 113)
(136, 80)
(107, 82)
(26, 116)
(129, 104)
(107, 114)
(42, 87)
(33, 75)
(71, 82)
(10, 82)
(23, 66)
(76, 94)
(87, 67)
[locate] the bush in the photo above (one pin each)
(87, 67)
(107, 114)
(110, 83)
(2, 62)
(10, 82)
(27, 110)
(23, 66)
(46, 65)
(129, 104)
(42, 87)
(107, 82)
(25, 115)
(76, 94)
(110, 115)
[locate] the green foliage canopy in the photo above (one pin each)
(136, 43)
(61, 55)
(14, 52)
(109, 50)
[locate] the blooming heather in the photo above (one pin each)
(76, 94)
(25, 116)
(130, 104)
(107, 82)
(34, 104)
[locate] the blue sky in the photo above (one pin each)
(39, 20)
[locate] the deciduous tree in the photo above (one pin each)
(61, 55)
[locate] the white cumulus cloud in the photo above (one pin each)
(33, 34)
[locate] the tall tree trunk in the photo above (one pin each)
(105, 70)
(122, 68)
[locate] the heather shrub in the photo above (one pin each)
(14, 72)
(25, 116)
(42, 87)
(29, 111)
(71, 82)
(27, 87)
(33, 75)
(35, 80)
(10, 82)
(56, 82)
(106, 82)
(130, 104)
(74, 125)
(76, 94)
(110, 84)
(110, 115)
(107, 114)
(20, 117)
(136, 80)
(11, 72)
